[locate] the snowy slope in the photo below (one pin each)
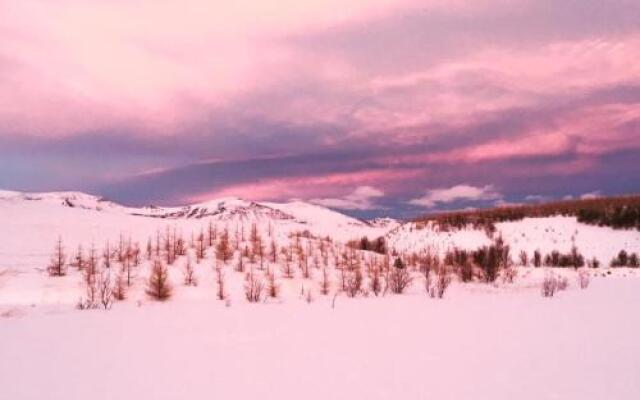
(31, 224)
(529, 235)
(499, 346)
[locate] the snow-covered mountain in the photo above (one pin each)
(228, 209)
(82, 217)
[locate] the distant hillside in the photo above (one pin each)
(621, 212)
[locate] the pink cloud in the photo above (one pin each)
(309, 187)
(438, 196)
(362, 198)
(82, 64)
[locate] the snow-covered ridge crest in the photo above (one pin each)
(321, 220)
(224, 208)
(67, 199)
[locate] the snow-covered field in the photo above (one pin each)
(496, 345)
(497, 341)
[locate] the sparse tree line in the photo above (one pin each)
(321, 265)
(615, 212)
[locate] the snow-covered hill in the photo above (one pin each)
(31, 223)
(195, 335)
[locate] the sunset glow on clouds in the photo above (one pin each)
(367, 106)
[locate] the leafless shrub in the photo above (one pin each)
(428, 264)
(78, 259)
(90, 281)
(583, 278)
(353, 283)
(287, 269)
(201, 247)
(537, 259)
(563, 283)
(549, 285)
(223, 250)
(399, 277)
(325, 283)
(441, 283)
(524, 258)
(240, 264)
(221, 293)
(273, 288)
(509, 275)
(158, 286)
(253, 287)
(308, 297)
(190, 274)
(119, 288)
(375, 280)
(105, 290)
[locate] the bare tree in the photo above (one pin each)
(57, 265)
(221, 293)
(240, 263)
(273, 288)
(127, 265)
(106, 256)
(253, 287)
(223, 251)
(537, 259)
(259, 251)
(287, 270)
(179, 245)
(189, 274)
(91, 263)
(442, 281)
(273, 252)
(325, 282)
(399, 277)
(78, 259)
(90, 280)
(105, 290)
(212, 233)
(375, 279)
(201, 248)
(509, 274)
(133, 252)
(524, 259)
(119, 288)
(149, 251)
(428, 264)
(549, 285)
(353, 282)
(169, 247)
(583, 278)
(158, 286)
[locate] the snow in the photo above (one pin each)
(561, 233)
(530, 234)
(579, 345)
(410, 237)
(500, 341)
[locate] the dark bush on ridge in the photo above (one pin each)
(491, 259)
(379, 245)
(625, 259)
(556, 259)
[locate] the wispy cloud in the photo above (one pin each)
(435, 197)
(260, 99)
(591, 195)
(362, 198)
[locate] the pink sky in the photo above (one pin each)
(404, 87)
